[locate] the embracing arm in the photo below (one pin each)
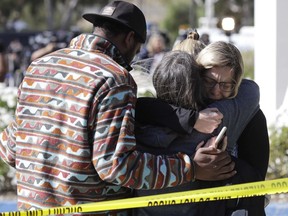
(239, 111)
(8, 144)
(158, 112)
(115, 157)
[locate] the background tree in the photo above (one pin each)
(45, 14)
(177, 15)
(188, 12)
(241, 10)
(278, 163)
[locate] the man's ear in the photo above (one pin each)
(130, 39)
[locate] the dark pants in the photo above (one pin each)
(251, 205)
(254, 206)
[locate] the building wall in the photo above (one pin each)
(271, 63)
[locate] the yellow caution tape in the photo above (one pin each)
(210, 194)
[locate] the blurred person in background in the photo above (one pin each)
(15, 59)
(205, 38)
(3, 62)
(50, 41)
(153, 52)
(155, 45)
(183, 31)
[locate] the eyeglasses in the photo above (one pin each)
(224, 86)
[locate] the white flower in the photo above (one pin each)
(8, 102)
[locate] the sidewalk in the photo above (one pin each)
(277, 209)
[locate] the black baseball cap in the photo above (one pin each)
(124, 13)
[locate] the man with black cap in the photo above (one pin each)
(72, 141)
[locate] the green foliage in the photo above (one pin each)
(248, 58)
(183, 12)
(4, 104)
(278, 163)
(45, 15)
(4, 168)
(147, 93)
(177, 14)
(8, 97)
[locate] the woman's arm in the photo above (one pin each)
(237, 112)
(158, 112)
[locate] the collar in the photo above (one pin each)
(95, 43)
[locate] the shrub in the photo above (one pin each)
(8, 100)
(278, 163)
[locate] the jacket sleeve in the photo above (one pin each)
(8, 144)
(238, 111)
(115, 157)
(158, 112)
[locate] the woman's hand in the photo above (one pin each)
(208, 120)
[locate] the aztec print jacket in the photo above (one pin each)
(72, 141)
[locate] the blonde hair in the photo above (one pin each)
(155, 44)
(222, 54)
(191, 44)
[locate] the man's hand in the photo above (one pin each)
(212, 164)
(208, 120)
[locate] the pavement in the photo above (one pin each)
(277, 209)
(7, 206)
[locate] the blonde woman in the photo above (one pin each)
(238, 103)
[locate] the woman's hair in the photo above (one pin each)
(191, 44)
(222, 54)
(177, 80)
(155, 44)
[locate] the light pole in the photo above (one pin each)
(228, 25)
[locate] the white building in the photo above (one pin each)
(271, 63)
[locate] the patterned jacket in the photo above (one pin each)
(73, 140)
